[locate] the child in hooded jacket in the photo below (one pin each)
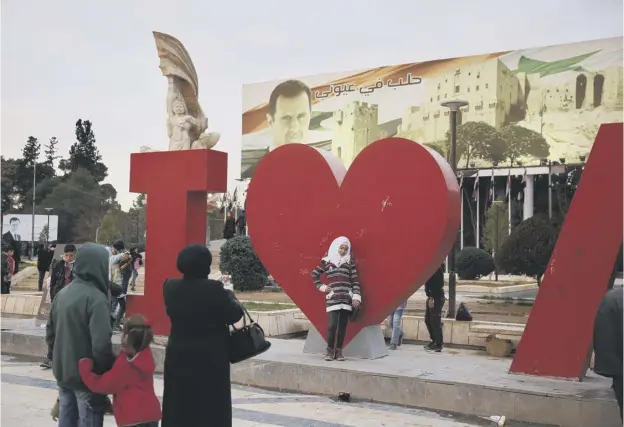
(131, 380)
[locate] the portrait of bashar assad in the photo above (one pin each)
(290, 111)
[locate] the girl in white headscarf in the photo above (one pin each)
(342, 292)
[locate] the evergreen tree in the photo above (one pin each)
(51, 152)
(24, 174)
(109, 232)
(492, 240)
(84, 153)
(8, 168)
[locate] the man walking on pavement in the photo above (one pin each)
(44, 260)
(61, 275)
(434, 289)
(120, 273)
(79, 327)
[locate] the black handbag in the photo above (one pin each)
(248, 341)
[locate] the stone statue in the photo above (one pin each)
(186, 122)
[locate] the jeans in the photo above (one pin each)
(337, 328)
(80, 408)
(41, 277)
(135, 274)
(395, 323)
(433, 320)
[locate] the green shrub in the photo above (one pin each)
(473, 263)
(528, 248)
(239, 260)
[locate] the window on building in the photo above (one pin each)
(487, 85)
(468, 90)
(438, 97)
(445, 96)
(477, 88)
(339, 152)
(456, 89)
(479, 74)
(445, 80)
(438, 85)
(431, 99)
(457, 72)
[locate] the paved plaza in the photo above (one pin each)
(28, 393)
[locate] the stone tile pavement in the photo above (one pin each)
(28, 393)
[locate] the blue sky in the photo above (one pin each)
(69, 59)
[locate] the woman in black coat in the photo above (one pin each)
(229, 230)
(197, 369)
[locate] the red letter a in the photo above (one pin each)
(557, 339)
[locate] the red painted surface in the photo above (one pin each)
(398, 204)
(176, 184)
(558, 335)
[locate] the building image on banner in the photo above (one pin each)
(524, 106)
(18, 227)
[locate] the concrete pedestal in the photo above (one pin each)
(368, 344)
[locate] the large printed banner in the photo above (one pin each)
(524, 106)
(19, 227)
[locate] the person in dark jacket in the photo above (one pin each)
(61, 275)
(197, 368)
(44, 260)
(434, 289)
(608, 340)
(79, 327)
(62, 270)
(229, 230)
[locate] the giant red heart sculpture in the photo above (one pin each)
(398, 204)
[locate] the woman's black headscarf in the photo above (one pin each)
(194, 262)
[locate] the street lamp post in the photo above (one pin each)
(48, 235)
(453, 105)
(32, 237)
(497, 204)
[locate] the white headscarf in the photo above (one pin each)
(333, 255)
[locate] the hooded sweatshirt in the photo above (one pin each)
(131, 382)
(79, 324)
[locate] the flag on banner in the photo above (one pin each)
(524, 178)
(508, 187)
(492, 188)
(475, 190)
(461, 180)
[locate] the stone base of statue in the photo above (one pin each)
(369, 343)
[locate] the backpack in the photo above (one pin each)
(463, 314)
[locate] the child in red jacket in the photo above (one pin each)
(131, 380)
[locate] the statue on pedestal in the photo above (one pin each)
(186, 122)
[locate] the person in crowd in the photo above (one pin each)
(137, 262)
(8, 268)
(434, 289)
(62, 270)
(131, 380)
(79, 327)
(197, 368)
(229, 229)
(241, 223)
(395, 324)
(119, 268)
(342, 293)
(608, 340)
(44, 261)
(61, 275)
